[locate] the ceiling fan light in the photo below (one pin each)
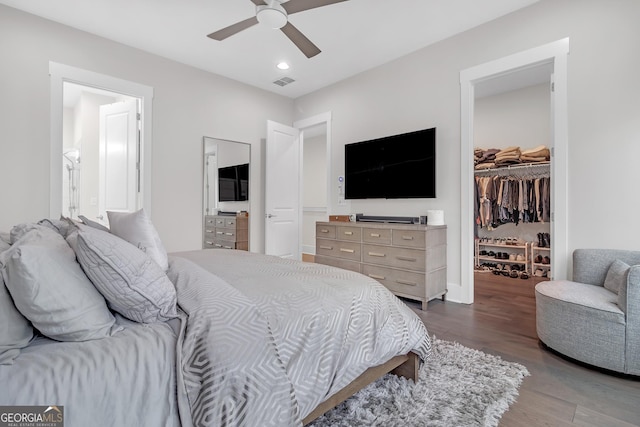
(272, 17)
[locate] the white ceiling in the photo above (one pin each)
(354, 35)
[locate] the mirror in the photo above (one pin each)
(226, 188)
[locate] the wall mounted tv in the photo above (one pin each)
(233, 183)
(394, 167)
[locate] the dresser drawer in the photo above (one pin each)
(411, 238)
(381, 236)
(338, 249)
(411, 259)
(338, 262)
(400, 281)
(349, 233)
(209, 221)
(230, 222)
(325, 231)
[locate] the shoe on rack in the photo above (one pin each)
(519, 257)
(546, 237)
(546, 260)
(539, 272)
(513, 274)
(512, 257)
(538, 259)
(524, 275)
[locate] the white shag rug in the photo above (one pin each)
(458, 386)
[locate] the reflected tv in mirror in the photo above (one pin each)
(394, 167)
(233, 183)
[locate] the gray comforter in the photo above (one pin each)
(261, 342)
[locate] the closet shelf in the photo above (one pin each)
(513, 167)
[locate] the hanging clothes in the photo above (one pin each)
(503, 198)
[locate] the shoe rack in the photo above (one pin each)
(509, 251)
(541, 256)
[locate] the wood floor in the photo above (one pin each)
(558, 393)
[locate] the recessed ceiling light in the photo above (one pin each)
(283, 65)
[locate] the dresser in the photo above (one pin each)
(226, 232)
(409, 259)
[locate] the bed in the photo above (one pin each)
(232, 339)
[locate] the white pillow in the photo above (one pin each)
(50, 289)
(131, 282)
(15, 330)
(137, 229)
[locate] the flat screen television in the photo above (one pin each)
(394, 167)
(233, 183)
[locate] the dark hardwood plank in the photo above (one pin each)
(559, 392)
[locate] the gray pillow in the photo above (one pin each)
(93, 224)
(50, 289)
(616, 276)
(15, 330)
(131, 282)
(4, 245)
(137, 229)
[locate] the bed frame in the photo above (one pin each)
(405, 366)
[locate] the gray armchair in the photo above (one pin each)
(589, 322)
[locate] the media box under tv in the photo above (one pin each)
(392, 219)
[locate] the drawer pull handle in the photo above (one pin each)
(231, 223)
(324, 230)
(407, 237)
(375, 276)
(375, 235)
(349, 251)
(228, 247)
(377, 254)
(208, 231)
(348, 233)
(404, 258)
(208, 242)
(228, 234)
(327, 248)
(405, 282)
(218, 245)
(218, 232)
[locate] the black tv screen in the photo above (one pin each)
(233, 183)
(394, 167)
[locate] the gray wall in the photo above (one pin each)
(188, 104)
(422, 90)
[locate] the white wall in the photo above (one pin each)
(188, 104)
(422, 90)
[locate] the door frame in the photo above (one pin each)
(60, 73)
(309, 122)
(302, 124)
(555, 53)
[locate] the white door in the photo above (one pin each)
(282, 191)
(118, 158)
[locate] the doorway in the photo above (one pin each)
(555, 55)
(317, 131)
(63, 195)
(99, 157)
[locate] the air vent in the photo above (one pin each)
(284, 81)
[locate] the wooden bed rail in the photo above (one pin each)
(405, 366)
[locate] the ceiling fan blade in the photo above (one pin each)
(258, 2)
(300, 40)
(294, 6)
(233, 29)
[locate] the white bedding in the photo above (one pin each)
(260, 341)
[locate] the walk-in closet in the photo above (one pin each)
(512, 181)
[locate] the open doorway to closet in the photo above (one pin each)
(481, 77)
(512, 139)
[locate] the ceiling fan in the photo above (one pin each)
(274, 14)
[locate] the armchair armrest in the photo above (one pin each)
(629, 302)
